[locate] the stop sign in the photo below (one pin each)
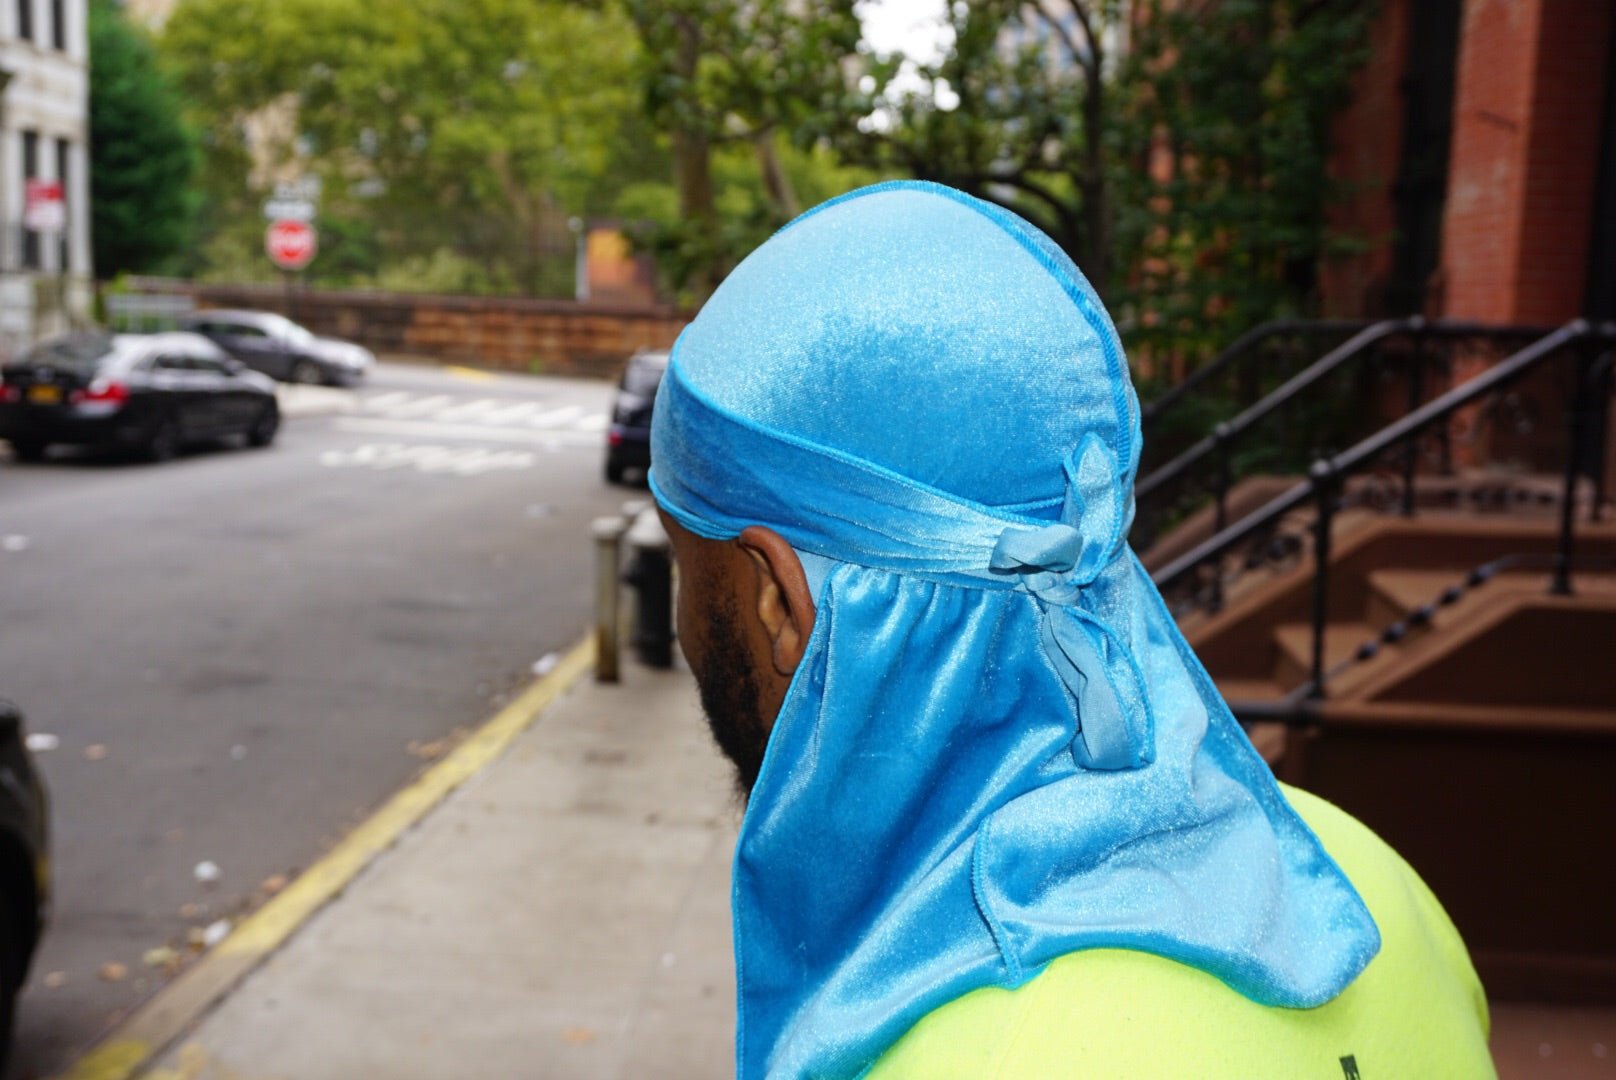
(290, 244)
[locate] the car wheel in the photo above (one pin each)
(164, 442)
(308, 373)
(28, 449)
(262, 432)
(615, 470)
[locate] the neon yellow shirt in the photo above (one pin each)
(1416, 1011)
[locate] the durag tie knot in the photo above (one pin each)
(1057, 564)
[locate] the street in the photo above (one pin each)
(229, 659)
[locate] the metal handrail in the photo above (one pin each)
(1235, 352)
(1327, 475)
(1353, 349)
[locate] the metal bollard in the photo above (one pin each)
(650, 572)
(608, 533)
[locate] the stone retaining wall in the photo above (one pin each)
(510, 333)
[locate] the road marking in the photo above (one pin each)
(512, 414)
(383, 401)
(556, 417)
(458, 460)
(471, 410)
(427, 430)
(418, 407)
(167, 1015)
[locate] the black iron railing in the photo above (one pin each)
(1195, 579)
(1315, 413)
(1247, 359)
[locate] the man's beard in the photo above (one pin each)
(729, 697)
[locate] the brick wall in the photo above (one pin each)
(511, 333)
(1366, 140)
(1525, 148)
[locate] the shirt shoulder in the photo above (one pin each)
(1417, 1010)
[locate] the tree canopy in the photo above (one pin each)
(469, 129)
(1178, 151)
(142, 156)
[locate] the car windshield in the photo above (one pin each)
(644, 373)
(78, 352)
(287, 330)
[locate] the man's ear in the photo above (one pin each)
(785, 607)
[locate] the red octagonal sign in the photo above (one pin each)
(291, 244)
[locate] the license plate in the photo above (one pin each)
(44, 395)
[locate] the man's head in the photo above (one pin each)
(744, 618)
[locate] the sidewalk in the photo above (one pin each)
(565, 913)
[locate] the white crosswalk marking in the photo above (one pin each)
(514, 414)
(479, 410)
(557, 417)
(418, 407)
(384, 401)
(500, 420)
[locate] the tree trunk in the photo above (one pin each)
(776, 184)
(692, 164)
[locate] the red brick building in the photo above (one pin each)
(1480, 152)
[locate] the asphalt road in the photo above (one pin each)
(243, 652)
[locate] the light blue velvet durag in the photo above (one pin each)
(998, 748)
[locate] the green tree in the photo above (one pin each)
(715, 74)
(1015, 112)
(472, 127)
(745, 213)
(1223, 184)
(1177, 151)
(142, 155)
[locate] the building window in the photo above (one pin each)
(58, 24)
(64, 258)
(25, 19)
(30, 169)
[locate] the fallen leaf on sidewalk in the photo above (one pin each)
(55, 980)
(207, 872)
(546, 664)
(190, 911)
(160, 957)
(429, 750)
(578, 1036)
(95, 751)
(113, 972)
(216, 932)
(274, 883)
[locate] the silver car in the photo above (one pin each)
(282, 349)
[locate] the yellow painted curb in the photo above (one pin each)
(178, 1005)
(474, 374)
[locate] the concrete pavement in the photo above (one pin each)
(562, 914)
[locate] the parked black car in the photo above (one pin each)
(152, 393)
(24, 866)
(280, 348)
(628, 439)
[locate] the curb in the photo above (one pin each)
(176, 1007)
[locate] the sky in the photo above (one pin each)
(918, 29)
(914, 27)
